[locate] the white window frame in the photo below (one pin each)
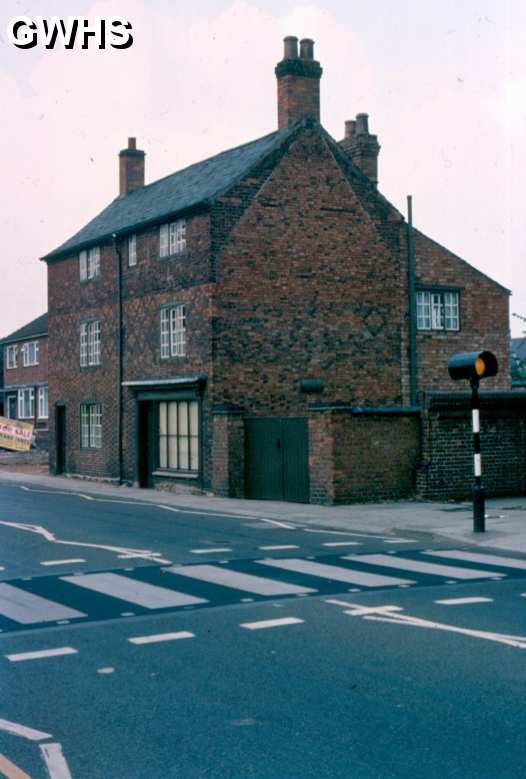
(89, 263)
(91, 426)
(172, 238)
(173, 331)
(43, 402)
(26, 403)
(90, 343)
(11, 357)
(179, 439)
(132, 250)
(29, 353)
(438, 310)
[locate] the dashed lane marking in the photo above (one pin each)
(341, 543)
(211, 551)
(63, 562)
(277, 547)
(159, 637)
(271, 623)
(41, 654)
(462, 601)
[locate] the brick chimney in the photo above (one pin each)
(298, 82)
(362, 146)
(131, 168)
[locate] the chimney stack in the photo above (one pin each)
(298, 82)
(362, 146)
(131, 168)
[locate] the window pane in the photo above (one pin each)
(165, 333)
(193, 418)
(172, 452)
(437, 312)
(194, 453)
(451, 310)
(184, 462)
(83, 265)
(173, 427)
(423, 311)
(162, 419)
(183, 418)
(163, 454)
(132, 250)
(163, 241)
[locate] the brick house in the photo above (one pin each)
(242, 326)
(25, 376)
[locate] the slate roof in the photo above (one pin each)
(37, 327)
(197, 184)
(518, 347)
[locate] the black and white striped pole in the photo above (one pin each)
(474, 366)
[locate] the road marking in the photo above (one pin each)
(23, 731)
(462, 601)
(27, 608)
(2, 568)
(271, 623)
(345, 533)
(150, 596)
(361, 611)
(161, 637)
(342, 543)
(41, 654)
(146, 554)
(55, 761)
(274, 522)
(485, 559)
(63, 562)
(211, 551)
(400, 540)
(333, 572)
(10, 770)
(277, 547)
(238, 581)
(420, 566)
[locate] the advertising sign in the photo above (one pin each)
(15, 435)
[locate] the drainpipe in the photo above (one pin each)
(120, 351)
(412, 304)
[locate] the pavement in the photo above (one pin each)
(452, 521)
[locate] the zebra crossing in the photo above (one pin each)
(71, 599)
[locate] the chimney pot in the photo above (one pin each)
(132, 143)
(290, 48)
(362, 124)
(307, 49)
(350, 128)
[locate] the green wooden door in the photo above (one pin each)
(277, 460)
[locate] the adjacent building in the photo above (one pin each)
(261, 323)
(25, 376)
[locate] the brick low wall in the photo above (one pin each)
(446, 470)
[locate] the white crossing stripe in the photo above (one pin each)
(28, 609)
(238, 581)
(63, 562)
(271, 623)
(341, 543)
(155, 639)
(420, 566)
(485, 559)
(150, 596)
(462, 601)
(42, 653)
(211, 551)
(23, 730)
(323, 571)
(55, 761)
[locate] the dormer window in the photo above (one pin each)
(172, 238)
(89, 263)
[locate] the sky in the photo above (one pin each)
(443, 82)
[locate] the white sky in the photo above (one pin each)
(443, 81)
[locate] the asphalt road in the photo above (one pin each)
(212, 654)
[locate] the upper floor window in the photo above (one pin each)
(172, 238)
(91, 426)
(437, 310)
(26, 403)
(173, 332)
(43, 411)
(30, 353)
(132, 250)
(11, 356)
(89, 343)
(89, 263)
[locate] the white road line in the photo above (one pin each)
(2, 568)
(271, 623)
(10, 770)
(63, 562)
(400, 540)
(462, 601)
(150, 596)
(155, 639)
(27, 608)
(420, 566)
(238, 581)
(211, 551)
(323, 571)
(55, 761)
(274, 522)
(41, 654)
(277, 547)
(341, 543)
(344, 533)
(485, 559)
(23, 731)
(361, 611)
